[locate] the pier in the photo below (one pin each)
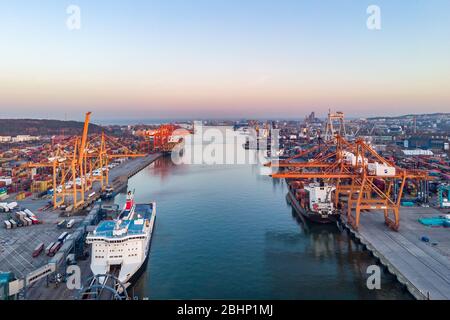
(423, 267)
(119, 177)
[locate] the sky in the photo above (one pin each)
(163, 59)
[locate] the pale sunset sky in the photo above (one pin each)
(223, 58)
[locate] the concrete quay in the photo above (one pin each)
(423, 267)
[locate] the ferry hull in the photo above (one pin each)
(135, 228)
(310, 215)
(137, 275)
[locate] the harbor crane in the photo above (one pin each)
(335, 125)
(99, 155)
(161, 139)
(68, 175)
(79, 162)
(364, 180)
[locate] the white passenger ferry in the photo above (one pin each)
(121, 247)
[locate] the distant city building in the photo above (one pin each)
(378, 139)
(427, 142)
(19, 138)
(312, 118)
(417, 152)
(395, 130)
(24, 138)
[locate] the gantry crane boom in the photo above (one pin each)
(84, 138)
(354, 167)
(74, 161)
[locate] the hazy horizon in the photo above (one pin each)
(216, 59)
(137, 121)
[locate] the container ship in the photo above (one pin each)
(121, 247)
(314, 201)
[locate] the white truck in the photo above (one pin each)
(12, 205)
(29, 213)
(70, 224)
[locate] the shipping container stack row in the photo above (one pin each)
(41, 186)
(18, 218)
(9, 185)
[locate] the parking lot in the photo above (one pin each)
(17, 245)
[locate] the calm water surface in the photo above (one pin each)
(227, 232)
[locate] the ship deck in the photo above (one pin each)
(142, 212)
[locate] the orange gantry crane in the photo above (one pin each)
(67, 164)
(79, 162)
(99, 155)
(364, 180)
(67, 181)
(159, 140)
(162, 137)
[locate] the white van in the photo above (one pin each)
(70, 224)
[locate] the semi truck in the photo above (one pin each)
(37, 251)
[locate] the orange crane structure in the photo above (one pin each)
(79, 162)
(100, 154)
(67, 164)
(159, 140)
(364, 180)
(66, 177)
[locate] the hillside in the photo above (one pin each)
(35, 127)
(418, 116)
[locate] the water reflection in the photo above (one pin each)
(163, 167)
(227, 232)
(328, 243)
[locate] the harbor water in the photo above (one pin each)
(227, 232)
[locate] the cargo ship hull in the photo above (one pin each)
(308, 214)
